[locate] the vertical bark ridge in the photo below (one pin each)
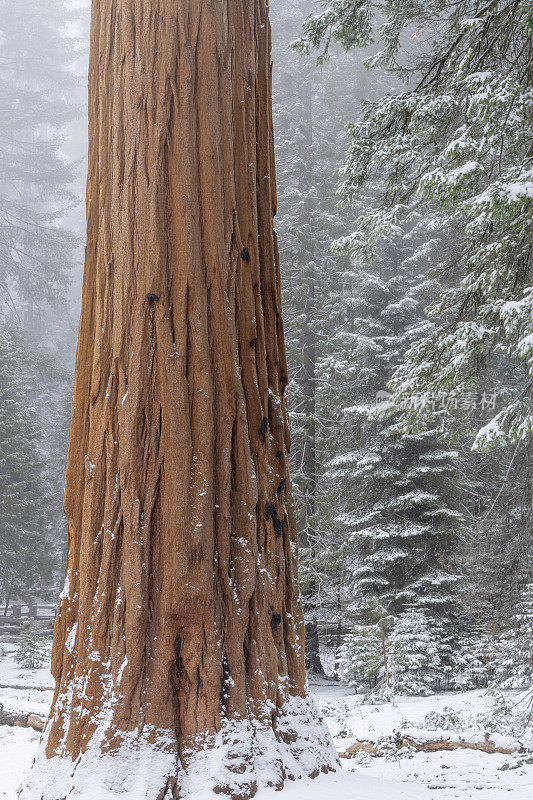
(180, 624)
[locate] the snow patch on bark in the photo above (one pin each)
(245, 756)
(249, 755)
(135, 771)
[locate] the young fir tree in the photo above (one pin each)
(390, 655)
(365, 656)
(511, 657)
(25, 541)
(403, 526)
(33, 648)
(416, 658)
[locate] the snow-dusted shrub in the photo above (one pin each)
(383, 693)
(337, 714)
(334, 709)
(448, 720)
(345, 732)
(363, 758)
(518, 760)
(388, 747)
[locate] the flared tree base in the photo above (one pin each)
(245, 756)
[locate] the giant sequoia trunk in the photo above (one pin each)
(180, 628)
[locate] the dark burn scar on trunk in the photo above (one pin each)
(275, 621)
(263, 427)
(177, 648)
(281, 486)
(245, 255)
(224, 689)
(177, 666)
(272, 514)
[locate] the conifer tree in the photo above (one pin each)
(399, 490)
(416, 659)
(387, 655)
(365, 657)
(32, 650)
(25, 540)
(511, 656)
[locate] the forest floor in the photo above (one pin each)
(390, 775)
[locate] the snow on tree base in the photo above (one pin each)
(244, 757)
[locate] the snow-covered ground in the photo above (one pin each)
(465, 774)
(18, 745)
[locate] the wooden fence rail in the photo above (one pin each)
(20, 616)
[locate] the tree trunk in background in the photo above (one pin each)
(180, 625)
(308, 372)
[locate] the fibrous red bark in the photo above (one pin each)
(180, 632)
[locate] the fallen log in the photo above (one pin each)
(14, 720)
(22, 688)
(358, 747)
(429, 746)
